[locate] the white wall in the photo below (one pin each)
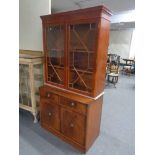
(30, 26)
(120, 41)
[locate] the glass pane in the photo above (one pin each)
(81, 53)
(38, 80)
(55, 57)
(24, 85)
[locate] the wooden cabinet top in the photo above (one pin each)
(28, 56)
(87, 13)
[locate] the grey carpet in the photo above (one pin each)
(117, 127)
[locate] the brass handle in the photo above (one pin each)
(72, 104)
(71, 125)
(51, 114)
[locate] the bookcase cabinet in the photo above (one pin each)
(75, 52)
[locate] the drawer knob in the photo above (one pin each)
(49, 114)
(48, 94)
(72, 104)
(71, 125)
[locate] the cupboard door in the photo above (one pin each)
(82, 46)
(73, 125)
(50, 115)
(55, 54)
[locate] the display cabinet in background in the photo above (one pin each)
(75, 51)
(30, 79)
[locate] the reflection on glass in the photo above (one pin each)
(55, 57)
(24, 85)
(81, 53)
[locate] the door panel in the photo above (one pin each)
(73, 125)
(82, 46)
(50, 115)
(55, 54)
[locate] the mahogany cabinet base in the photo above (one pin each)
(74, 119)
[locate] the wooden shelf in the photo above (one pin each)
(56, 66)
(73, 50)
(92, 29)
(50, 50)
(79, 70)
(82, 70)
(81, 51)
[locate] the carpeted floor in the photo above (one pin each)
(117, 127)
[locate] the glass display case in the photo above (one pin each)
(30, 79)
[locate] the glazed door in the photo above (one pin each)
(82, 47)
(55, 57)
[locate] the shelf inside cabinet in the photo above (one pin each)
(88, 26)
(55, 49)
(89, 71)
(82, 51)
(82, 70)
(57, 66)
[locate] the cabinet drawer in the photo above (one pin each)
(48, 95)
(50, 115)
(73, 125)
(73, 105)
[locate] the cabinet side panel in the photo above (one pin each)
(101, 60)
(44, 49)
(93, 121)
